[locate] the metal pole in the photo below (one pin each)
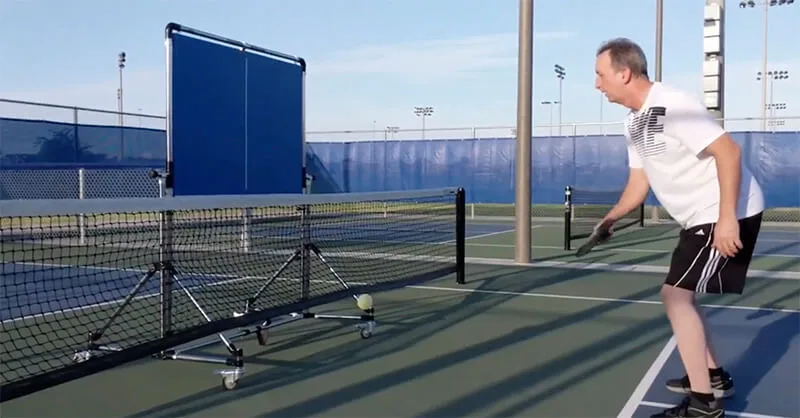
(659, 48)
(764, 69)
(659, 36)
(560, 104)
(560, 74)
(121, 59)
(522, 207)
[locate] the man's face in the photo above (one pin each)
(610, 81)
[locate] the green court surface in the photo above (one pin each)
(516, 340)
(778, 248)
(513, 341)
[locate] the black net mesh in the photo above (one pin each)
(588, 207)
(65, 276)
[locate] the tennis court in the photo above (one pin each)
(548, 339)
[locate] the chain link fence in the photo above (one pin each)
(140, 142)
(78, 183)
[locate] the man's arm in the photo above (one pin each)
(693, 125)
(728, 158)
(634, 194)
(636, 189)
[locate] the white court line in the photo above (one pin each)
(616, 250)
(627, 268)
(637, 397)
(591, 298)
(489, 234)
(502, 262)
(492, 234)
(731, 413)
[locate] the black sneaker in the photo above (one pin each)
(722, 387)
(692, 408)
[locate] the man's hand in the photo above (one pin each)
(726, 236)
(608, 224)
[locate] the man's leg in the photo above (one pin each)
(693, 265)
(697, 268)
(721, 381)
(690, 333)
(711, 358)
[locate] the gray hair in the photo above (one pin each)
(625, 53)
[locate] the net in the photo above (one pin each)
(586, 207)
(91, 284)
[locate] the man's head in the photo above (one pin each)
(621, 72)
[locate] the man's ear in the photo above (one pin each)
(626, 75)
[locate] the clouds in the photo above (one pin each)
(430, 60)
(142, 89)
(349, 89)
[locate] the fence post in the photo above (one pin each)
(82, 195)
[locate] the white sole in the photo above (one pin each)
(718, 393)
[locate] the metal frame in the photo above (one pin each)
(170, 274)
(172, 28)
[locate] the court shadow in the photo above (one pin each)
(468, 405)
(600, 255)
(646, 335)
(420, 327)
(438, 313)
(766, 350)
(782, 249)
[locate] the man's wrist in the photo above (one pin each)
(727, 214)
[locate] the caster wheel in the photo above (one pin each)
(365, 333)
(229, 382)
(81, 356)
(262, 335)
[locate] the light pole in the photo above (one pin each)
(390, 130)
(550, 104)
(561, 73)
(424, 112)
(121, 64)
(772, 75)
(767, 4)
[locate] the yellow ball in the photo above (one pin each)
(364, 301)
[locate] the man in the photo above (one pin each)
(677, 149)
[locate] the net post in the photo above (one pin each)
(461, 235)
(161, 192)
(165, 265)
(567, 217)
(247, 214)
(641, 215)
(305, 255)
(82, 195)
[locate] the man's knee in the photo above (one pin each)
(672, 295)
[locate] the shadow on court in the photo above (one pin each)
(431, 318)
(425, 324)
(760, 350)
(769, 346)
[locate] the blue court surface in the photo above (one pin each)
(31, 289)
(761, 349)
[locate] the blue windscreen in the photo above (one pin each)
(236, 119)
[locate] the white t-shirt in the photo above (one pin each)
(667, 137)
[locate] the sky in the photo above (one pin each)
(370, 62)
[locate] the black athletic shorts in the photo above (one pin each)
(697, 266)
